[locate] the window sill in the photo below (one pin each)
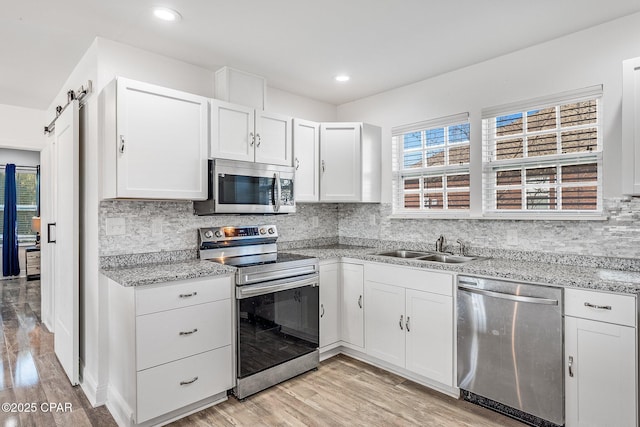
(431, 215)
(494, 217)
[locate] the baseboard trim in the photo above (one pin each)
(363, 357)
(97, 395)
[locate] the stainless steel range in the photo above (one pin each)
(277, 298)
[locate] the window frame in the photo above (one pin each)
(22, 238)
(491, 165)
(401, 174)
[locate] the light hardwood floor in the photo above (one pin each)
(347, 392)
(342, 392)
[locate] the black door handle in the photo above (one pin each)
(49, 232)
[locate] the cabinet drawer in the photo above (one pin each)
(169, 335)
(160, 389)
(614, 308)
(421, 280)
(182, 293)
(33, 256)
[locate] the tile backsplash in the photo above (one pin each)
(154, 226)
(618, 236)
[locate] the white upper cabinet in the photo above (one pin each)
(631, 126)
(243, 133)
(232, 131)
(350, 162)
(306, 160)
(154, 142)
(273, 139)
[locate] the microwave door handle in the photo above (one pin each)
(278, 192)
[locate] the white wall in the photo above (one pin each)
(22, 128)
(280, 101)
(590, 57)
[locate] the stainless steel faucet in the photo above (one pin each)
(440, 243)
(463, 248)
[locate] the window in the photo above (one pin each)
(26, 194)
(431, 169)
(544, 155)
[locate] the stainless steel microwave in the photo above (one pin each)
(248, 188)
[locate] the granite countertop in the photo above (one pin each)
(563, 275)
(148, 274)
(620, 281)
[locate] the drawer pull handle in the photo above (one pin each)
(400, 323)
(192, 294)
(189, 382)
(360, 301)
(189, 332)
(598, 307)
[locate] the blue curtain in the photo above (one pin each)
(10, 263)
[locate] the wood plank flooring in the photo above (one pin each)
(347, 392)
(342, 392)
(31, 373)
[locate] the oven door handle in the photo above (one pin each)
(255, 290)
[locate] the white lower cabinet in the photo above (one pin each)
(408, 327)
(169, 348)
(353, 304)
(329, 303)
(601, 361)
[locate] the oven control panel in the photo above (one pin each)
(224, 234)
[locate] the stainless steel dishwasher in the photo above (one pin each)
(510, 343)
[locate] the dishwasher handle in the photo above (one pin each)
(510, 297)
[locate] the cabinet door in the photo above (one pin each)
(162, 142)
(631, 126)
(384, 322)
(340, 162)
(273, 139)
(232, 131)
(353, 304)
(601, 382)
(306, 159)
(329, 304)
(429, 326)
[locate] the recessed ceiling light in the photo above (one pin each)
(166, 14)
(342, 78)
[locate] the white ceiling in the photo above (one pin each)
(298, 45)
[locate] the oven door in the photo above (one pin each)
(243, 187)
(277, 322)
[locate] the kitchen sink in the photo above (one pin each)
(428, 256)
(447, 258)
(403, 254)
